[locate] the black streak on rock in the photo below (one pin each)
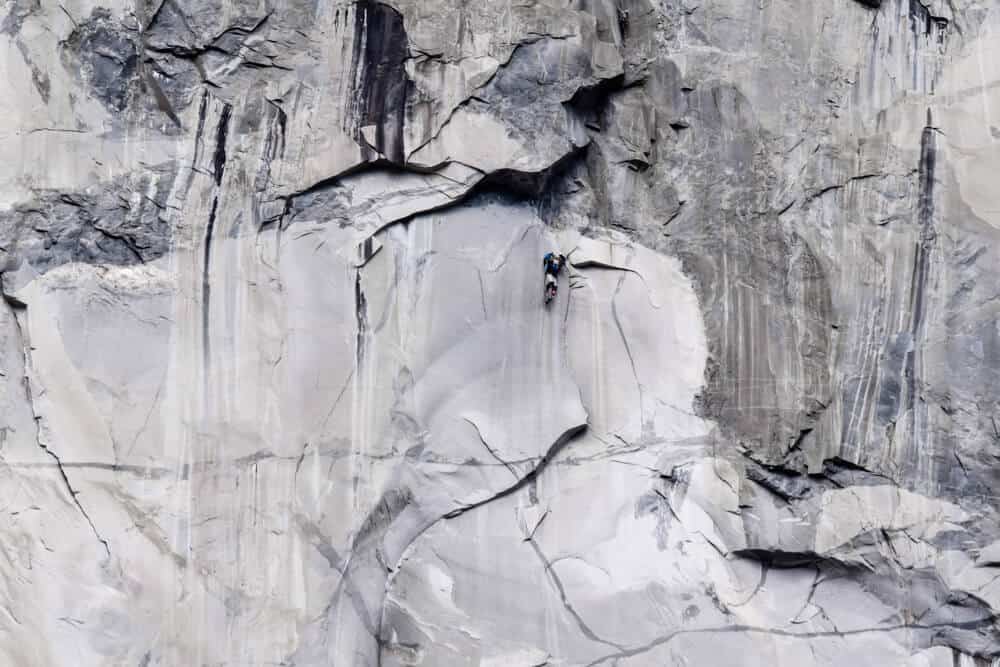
(205, 286)
(219, 159)
(623, 21)
(921, 263)
(780, 559)
(202, 109)
(281, 126)
(361, 312)
(381, 86)
(913, 413)
(219, 166)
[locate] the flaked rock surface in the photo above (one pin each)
(280, 387)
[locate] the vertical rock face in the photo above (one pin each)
(280, 387)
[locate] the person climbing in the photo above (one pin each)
(553, 264)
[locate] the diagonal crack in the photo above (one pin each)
(492, 451)
(561, 442)
(482, 293)
(765, 567)
(14, 306)
(534, 37)
(817, 580)
(567, 436)
(628, 350)
(557, 583)
(152, 407)
(340, 395)
(69, 487)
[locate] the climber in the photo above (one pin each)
(553, 264)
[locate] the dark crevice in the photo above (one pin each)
(253, 64)
(202, 111)
(219, 159)
(779, 559)
(361, 317)
(244, 31)
(529, 186)
(147, 24)
(835, 187)
(125, 240)
(785, 484)
(590, 101)
(854, 473)
(206, 287)
(561, 442)
(219, 166)
(533, 184)
(799, 440)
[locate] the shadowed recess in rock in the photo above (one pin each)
(381, 85)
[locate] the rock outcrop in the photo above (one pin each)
(280, 387)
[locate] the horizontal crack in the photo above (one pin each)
(970, 625)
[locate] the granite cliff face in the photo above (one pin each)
(279, 387)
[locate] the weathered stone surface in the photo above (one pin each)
(280, 388)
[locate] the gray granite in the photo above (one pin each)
(280, 387)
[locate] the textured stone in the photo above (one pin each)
(280, 386)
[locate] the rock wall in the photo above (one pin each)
(280, 388)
